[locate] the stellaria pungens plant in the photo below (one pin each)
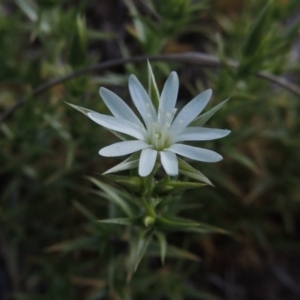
(153, 141)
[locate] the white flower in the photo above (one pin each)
(160, 133)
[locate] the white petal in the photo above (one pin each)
(168, 96)
(200, 134)
(169, 162)
(196, 153)
(118, 107)
(129, 163)
(190, 111)
(123, 148)
(147, 161)
(141, 100)
(117, 124)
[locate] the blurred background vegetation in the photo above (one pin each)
(50, 248)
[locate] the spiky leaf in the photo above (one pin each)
(201, 120)
(152, 87)
(189, 171)
(162, 244)
(122, 221)
(113, 196)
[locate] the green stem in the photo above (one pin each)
(149, 207)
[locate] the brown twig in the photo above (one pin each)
(202, 59)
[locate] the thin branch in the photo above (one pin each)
(202, 59)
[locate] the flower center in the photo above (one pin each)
(158, 134)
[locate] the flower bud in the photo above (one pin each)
(148, 221)
(131, 184)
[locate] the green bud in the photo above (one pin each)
(131, 184)
(171, 186)
(148, 221)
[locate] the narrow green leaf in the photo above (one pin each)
(138, 246)
(228, 182)
(176, 186)
(241, 158)
(90, 216)
(152, 87)
(142, 246)
(257, 32)
(206, 229)
(30, 8)
(113, 196)
(187, 206)
(138, 24)
(132, 183)
(130, 68)
(201, 120)
(163, 245)
(123, 221)
(189, 171)
(129, 163)
(78, 47)
(263, 185)
(175, 223)
(6, 130)
(253, 48)
(82, 32)
(173, 251)
(80, 243)
(83, 110)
